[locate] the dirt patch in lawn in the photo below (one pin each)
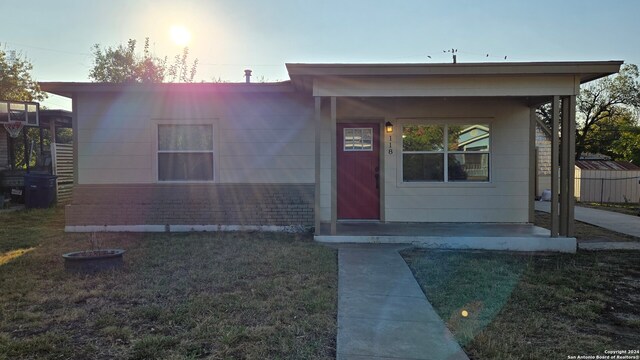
(198, 295)
(525, 306)
(586, 232)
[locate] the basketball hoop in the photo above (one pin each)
(13, 128)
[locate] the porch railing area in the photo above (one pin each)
(62, 159)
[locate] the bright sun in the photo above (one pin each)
(180, 35)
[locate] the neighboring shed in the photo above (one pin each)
(607, 181)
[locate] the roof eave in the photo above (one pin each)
(587, 70)
(67, 89)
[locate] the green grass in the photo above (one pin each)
(535, 306)
(623, 208)
(25, 229)
(198, 295)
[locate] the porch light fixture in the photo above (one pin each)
(388, 127)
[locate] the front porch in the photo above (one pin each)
(486, 236)
(443, 155)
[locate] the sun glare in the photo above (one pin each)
(180, 35)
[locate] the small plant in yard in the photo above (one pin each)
(95, 259)
(95, 243)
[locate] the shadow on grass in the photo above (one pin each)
(469, 291)
(533, 305)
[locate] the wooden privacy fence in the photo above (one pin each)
(62, 159)
(608, 189)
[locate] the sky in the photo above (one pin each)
(228, 36)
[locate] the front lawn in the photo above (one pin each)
(214, 295)
(533, 306)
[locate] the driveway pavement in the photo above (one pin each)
(383, 313)
(622, 223)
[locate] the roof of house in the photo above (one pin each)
(587, 70)
(62, 118)
(594, 156)
(301, 73)
(606, 165)
(68, 88)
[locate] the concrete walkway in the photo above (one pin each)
(625, 224)
(383, 313)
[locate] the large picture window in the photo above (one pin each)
(185, 152)
(445, 153)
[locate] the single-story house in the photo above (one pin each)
(336, 145)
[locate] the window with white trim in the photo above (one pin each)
(358, 139)
(445, 153)
(185, 152)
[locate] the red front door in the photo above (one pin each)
(358, 171)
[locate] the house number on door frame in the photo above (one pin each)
(390, 148)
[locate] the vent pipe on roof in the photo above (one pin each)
(247, 76)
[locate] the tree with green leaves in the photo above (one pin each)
(607, 135)
(16, 83)
(605, 111)
(606, 104)
(122, 64)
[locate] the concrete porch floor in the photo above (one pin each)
(487, 236)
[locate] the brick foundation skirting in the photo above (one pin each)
(256, 205)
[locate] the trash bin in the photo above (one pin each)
(40, 190)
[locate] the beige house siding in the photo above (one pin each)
(259, 138)
(263, 161)
(503, 199)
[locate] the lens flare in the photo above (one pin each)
(180, 35)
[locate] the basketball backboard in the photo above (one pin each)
(19, 111)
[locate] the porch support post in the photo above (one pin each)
(52, 131)
(555, 105)
(41, 138)
(75, 134)
(316, 207)
(564, 167)
(334, 168)
(571, 139)
(532, 163)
